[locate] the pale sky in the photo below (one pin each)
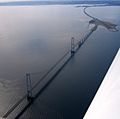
(53, 0)
(12, 0)
(34, 0)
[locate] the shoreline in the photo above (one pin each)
(82, 3)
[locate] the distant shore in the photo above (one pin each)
(29, 3)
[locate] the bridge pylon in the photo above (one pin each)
(72, 46)
(29, 87)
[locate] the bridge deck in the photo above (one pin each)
(59, 99)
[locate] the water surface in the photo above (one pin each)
(33, 38)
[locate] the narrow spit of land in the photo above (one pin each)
(97, 22)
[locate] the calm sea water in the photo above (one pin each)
(33, 38)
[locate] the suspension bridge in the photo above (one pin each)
(34, 91)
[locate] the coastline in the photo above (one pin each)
(83, 3)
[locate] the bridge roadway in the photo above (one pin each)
(75, 83)
(69, 95)
(19, 107)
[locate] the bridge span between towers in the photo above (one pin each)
(34, 91)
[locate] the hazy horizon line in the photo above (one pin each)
(55, 2)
